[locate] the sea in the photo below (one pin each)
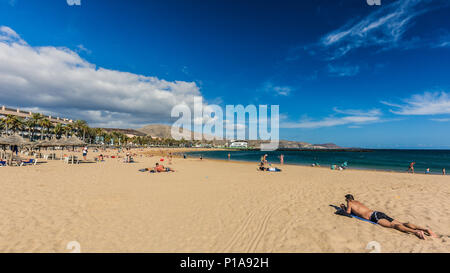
(376, 159)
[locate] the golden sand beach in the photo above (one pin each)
(212, 206)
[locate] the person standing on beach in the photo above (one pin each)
(411, 167)
(360, 210)
(229, 156)
(443, 171)
(85, 151)
(281, 159)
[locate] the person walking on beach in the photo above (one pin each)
(360, 210)
(411, 167)
(85, 151)
(229, 156)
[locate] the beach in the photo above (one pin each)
(212, 206)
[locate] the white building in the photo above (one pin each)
(239, 144)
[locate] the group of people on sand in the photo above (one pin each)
(265, 166)
(427, 170)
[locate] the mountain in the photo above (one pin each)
(164, 131)
(329, 146)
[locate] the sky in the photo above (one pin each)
(346, 72)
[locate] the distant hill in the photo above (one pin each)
(164, 131)
(329, 146)
(124, 131)
(156, 130)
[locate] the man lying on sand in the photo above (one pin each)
(262, 167)
(358, 209)
(161, 168)
(157, 169)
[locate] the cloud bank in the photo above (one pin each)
(353, 118)
(56, 80)
(428, 103)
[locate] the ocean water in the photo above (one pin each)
(388, 160)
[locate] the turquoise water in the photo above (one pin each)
(390, 160)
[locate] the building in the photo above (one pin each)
(4, 111)
(239, 144)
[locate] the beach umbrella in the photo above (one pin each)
(43, 143)
(74, 141)
(14, 140)
(3, 143)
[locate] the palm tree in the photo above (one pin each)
(58, 130)
(12, 123)
(107, 138)
(81, 127)
(68, 129)
(29, 126)
(2, 125)
(45, 123)
(35, 119)
(98, 132)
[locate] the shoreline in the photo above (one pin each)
(325, 167)
(322, 167)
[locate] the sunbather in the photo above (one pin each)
(360, 210)
(160, 168)
(262, 167)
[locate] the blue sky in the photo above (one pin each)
(341, 71)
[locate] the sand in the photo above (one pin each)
(212, 206)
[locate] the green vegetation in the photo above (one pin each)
(38, 127)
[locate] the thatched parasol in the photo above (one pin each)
(73, 141)
(42, 143)
(14, 140)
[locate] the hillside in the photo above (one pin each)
(164, 131)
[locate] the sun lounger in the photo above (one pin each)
(28, 162)
(71, 160)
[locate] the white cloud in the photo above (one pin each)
(384, 27)
(428, 103)
(277, 89)
(343, 71)
(350, 117)
(440, 119)
(58, 80)
(82, 48)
